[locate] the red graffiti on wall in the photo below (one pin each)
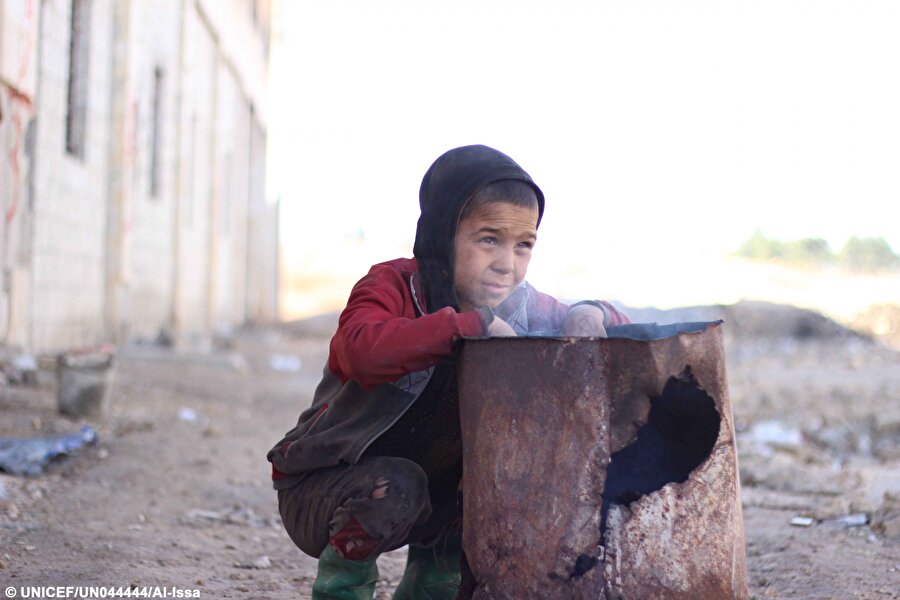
(29, 40)
(21, 104)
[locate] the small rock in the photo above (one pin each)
(237, 362)
(102, 453)
(833, 508)
(887, 422)
(802, 521)
(12, 512)
(26, 367)
(34, 491)
(785, 473)
(200, 515)
(875, 481)
(886, 520)
(842, 438)
(262, 562)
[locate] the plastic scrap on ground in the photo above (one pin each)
(766, 436)
(29, 456)
(285, 363)
(187, 414)
(854, 520)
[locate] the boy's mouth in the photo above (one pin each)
(496, 287)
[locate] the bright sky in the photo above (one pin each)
(659, 131)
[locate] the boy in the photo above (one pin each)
(375, 462)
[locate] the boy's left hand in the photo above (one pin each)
(500, 328)
(584, 320)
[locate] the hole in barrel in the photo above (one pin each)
(681, 430)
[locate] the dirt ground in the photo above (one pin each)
(177, 492)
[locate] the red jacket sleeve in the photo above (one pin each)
(379, 339)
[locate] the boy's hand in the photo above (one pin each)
(584, 320)
(500, 328)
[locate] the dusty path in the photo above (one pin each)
(163, 500)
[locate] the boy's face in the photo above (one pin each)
(493, 248)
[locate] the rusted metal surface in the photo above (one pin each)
(600, 468)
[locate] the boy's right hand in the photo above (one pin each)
(500, 328)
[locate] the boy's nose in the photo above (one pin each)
(503, 262)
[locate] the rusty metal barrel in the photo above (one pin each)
(601, 468)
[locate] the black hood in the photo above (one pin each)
(449, 182)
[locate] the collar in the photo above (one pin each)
(416, 290)
(511, 310)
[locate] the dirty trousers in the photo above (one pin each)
(336, 505)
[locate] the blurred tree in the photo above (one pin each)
(859, 254)
(810, 251)
(868, 255)
(759, 247)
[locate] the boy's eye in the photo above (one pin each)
(489, 239)
(528, 245)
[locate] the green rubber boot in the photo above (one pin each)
(432, 572)
(342, 579)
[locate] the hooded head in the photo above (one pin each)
(446, 188)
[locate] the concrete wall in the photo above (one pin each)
(68, 264)
(147, 288)
(195, 181)
(107, 250)
(262, 239)
(19, 23)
